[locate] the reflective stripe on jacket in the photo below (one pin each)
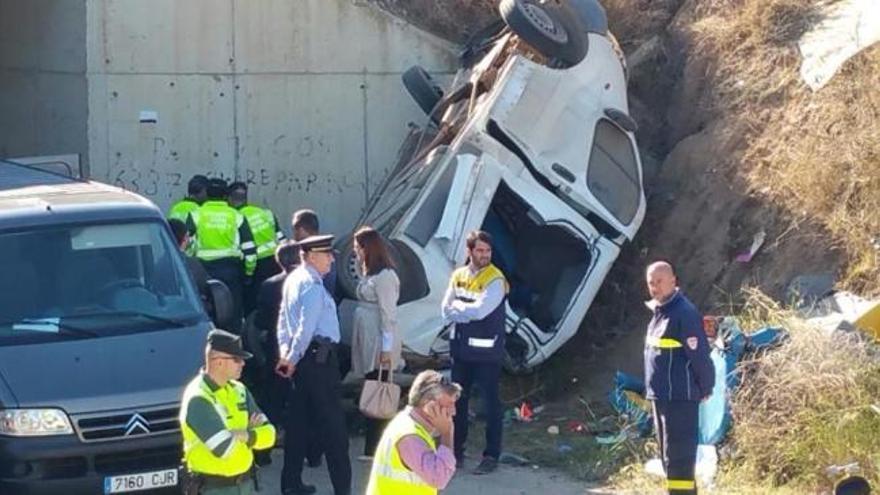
(222, 232)
(677, 362)
(479, 340)
(221, 454)
(389, 475)
(264, 228)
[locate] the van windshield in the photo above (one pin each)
(88, 281)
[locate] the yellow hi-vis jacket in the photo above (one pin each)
(389, 475)
(208, 415)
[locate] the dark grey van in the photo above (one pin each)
(100, 329)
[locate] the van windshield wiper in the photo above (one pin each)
(127, 314)
(50, 326)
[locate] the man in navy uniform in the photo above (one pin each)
(308, 337)
(678, 374)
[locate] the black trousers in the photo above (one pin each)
(315, 405)
(230, 271)
(486, 376)
(677, 424)
(375, 427)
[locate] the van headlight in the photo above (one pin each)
(34, 422)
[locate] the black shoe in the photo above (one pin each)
(301, 490)
(487, 465)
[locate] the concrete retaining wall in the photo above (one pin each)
(301, 98)
(43, 104)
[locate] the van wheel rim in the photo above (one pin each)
(352, 268)
(539, 18)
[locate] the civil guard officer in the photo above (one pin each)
(266, 233)
(474, 302)
(308, 335)
(221, 423)
(678, 374)
(196, 194)
(223, 241)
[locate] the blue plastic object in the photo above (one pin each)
(624, 405)
(715, 413)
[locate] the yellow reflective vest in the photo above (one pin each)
(230, 403)
(389, 475)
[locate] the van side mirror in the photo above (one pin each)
(222, 306)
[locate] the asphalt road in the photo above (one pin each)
(506, 481)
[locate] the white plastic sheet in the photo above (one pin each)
(849, 26)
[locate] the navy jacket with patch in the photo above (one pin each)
(677, 373)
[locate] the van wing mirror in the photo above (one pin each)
(222, 306)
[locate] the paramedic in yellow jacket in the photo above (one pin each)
(221, 423)
(414, 455)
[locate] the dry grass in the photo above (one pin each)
(817, 154)
(804, 406)
(635, 21)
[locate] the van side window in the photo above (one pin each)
(612, 173)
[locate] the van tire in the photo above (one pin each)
(554, 31)
(423, 90)
(346, 278)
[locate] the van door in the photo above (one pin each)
(558, 120)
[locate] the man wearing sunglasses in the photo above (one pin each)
(221, 423)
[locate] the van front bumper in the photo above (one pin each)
(64, 464)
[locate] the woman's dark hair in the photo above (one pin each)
(376, 256)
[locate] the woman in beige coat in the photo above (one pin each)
(375, 337)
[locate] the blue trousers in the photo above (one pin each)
(677, 423)
(486, 376)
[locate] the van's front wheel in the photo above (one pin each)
(555, 32)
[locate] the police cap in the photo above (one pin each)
(229, 343)
(317, 243)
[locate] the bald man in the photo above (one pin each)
(678, 375)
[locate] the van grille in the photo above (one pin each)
(127, 424)
(138, 460)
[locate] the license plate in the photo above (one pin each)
(141, 481)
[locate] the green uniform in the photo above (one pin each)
(265, 231)
(209, 414)
(182, 209)
(221, 232)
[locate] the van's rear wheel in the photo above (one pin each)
(423, 90)
(347, 275)
(553, 30)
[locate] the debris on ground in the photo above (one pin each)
(757, 242)
(524, 413)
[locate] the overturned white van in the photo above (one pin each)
(533, 143)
